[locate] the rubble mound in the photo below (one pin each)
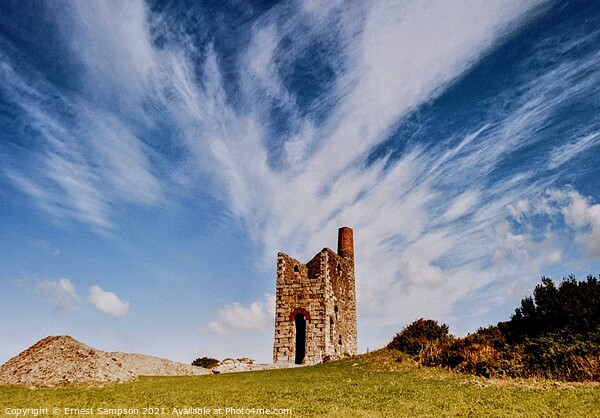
(59, 360)
(246, 364)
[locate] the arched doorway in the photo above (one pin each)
(300, 321)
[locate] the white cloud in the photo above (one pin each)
(107, 302)
(370, 98)
(126, 167)
(426, 222)
(522, 255)
(461, 205)
(566, 152)
(405, 55)
(112, 39)
(61, 292)
(556, 206)
(398, 56)
(583, 215)
(238, 318)
(86, 164)
(260, 60)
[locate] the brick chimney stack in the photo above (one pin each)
(346, 243)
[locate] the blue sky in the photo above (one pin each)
(155, 156)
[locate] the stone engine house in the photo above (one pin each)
(315, 308)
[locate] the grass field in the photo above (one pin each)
(374, 385)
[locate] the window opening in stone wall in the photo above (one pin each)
(295, 269)
(339, 269)
(331, 336)
(340, 341)
(300, 338)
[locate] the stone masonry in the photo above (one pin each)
(315, 311)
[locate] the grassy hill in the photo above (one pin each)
(373, 385)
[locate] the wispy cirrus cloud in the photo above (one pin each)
(429, 221)
(87, 158)
(432, 217)
(567, 152)
(328, 183)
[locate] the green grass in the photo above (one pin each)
(374, 385)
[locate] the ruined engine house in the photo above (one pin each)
(315, 311)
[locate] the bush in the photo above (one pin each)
(420, 334)
(555, 334)
(484, 353)
(564, 356)
(206, 362)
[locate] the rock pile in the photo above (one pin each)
(58, 360)
(245, 364)
(233, 365)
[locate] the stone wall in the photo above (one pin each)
(322, 292)
(341, 307)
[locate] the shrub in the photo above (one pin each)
(206, 362)
(484, 353)
(420, 334)
(564, 356)
(555, 334)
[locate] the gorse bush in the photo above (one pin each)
(568, 356)
(485, 353)
(555, 335)
(206, 362)
(418, 335)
